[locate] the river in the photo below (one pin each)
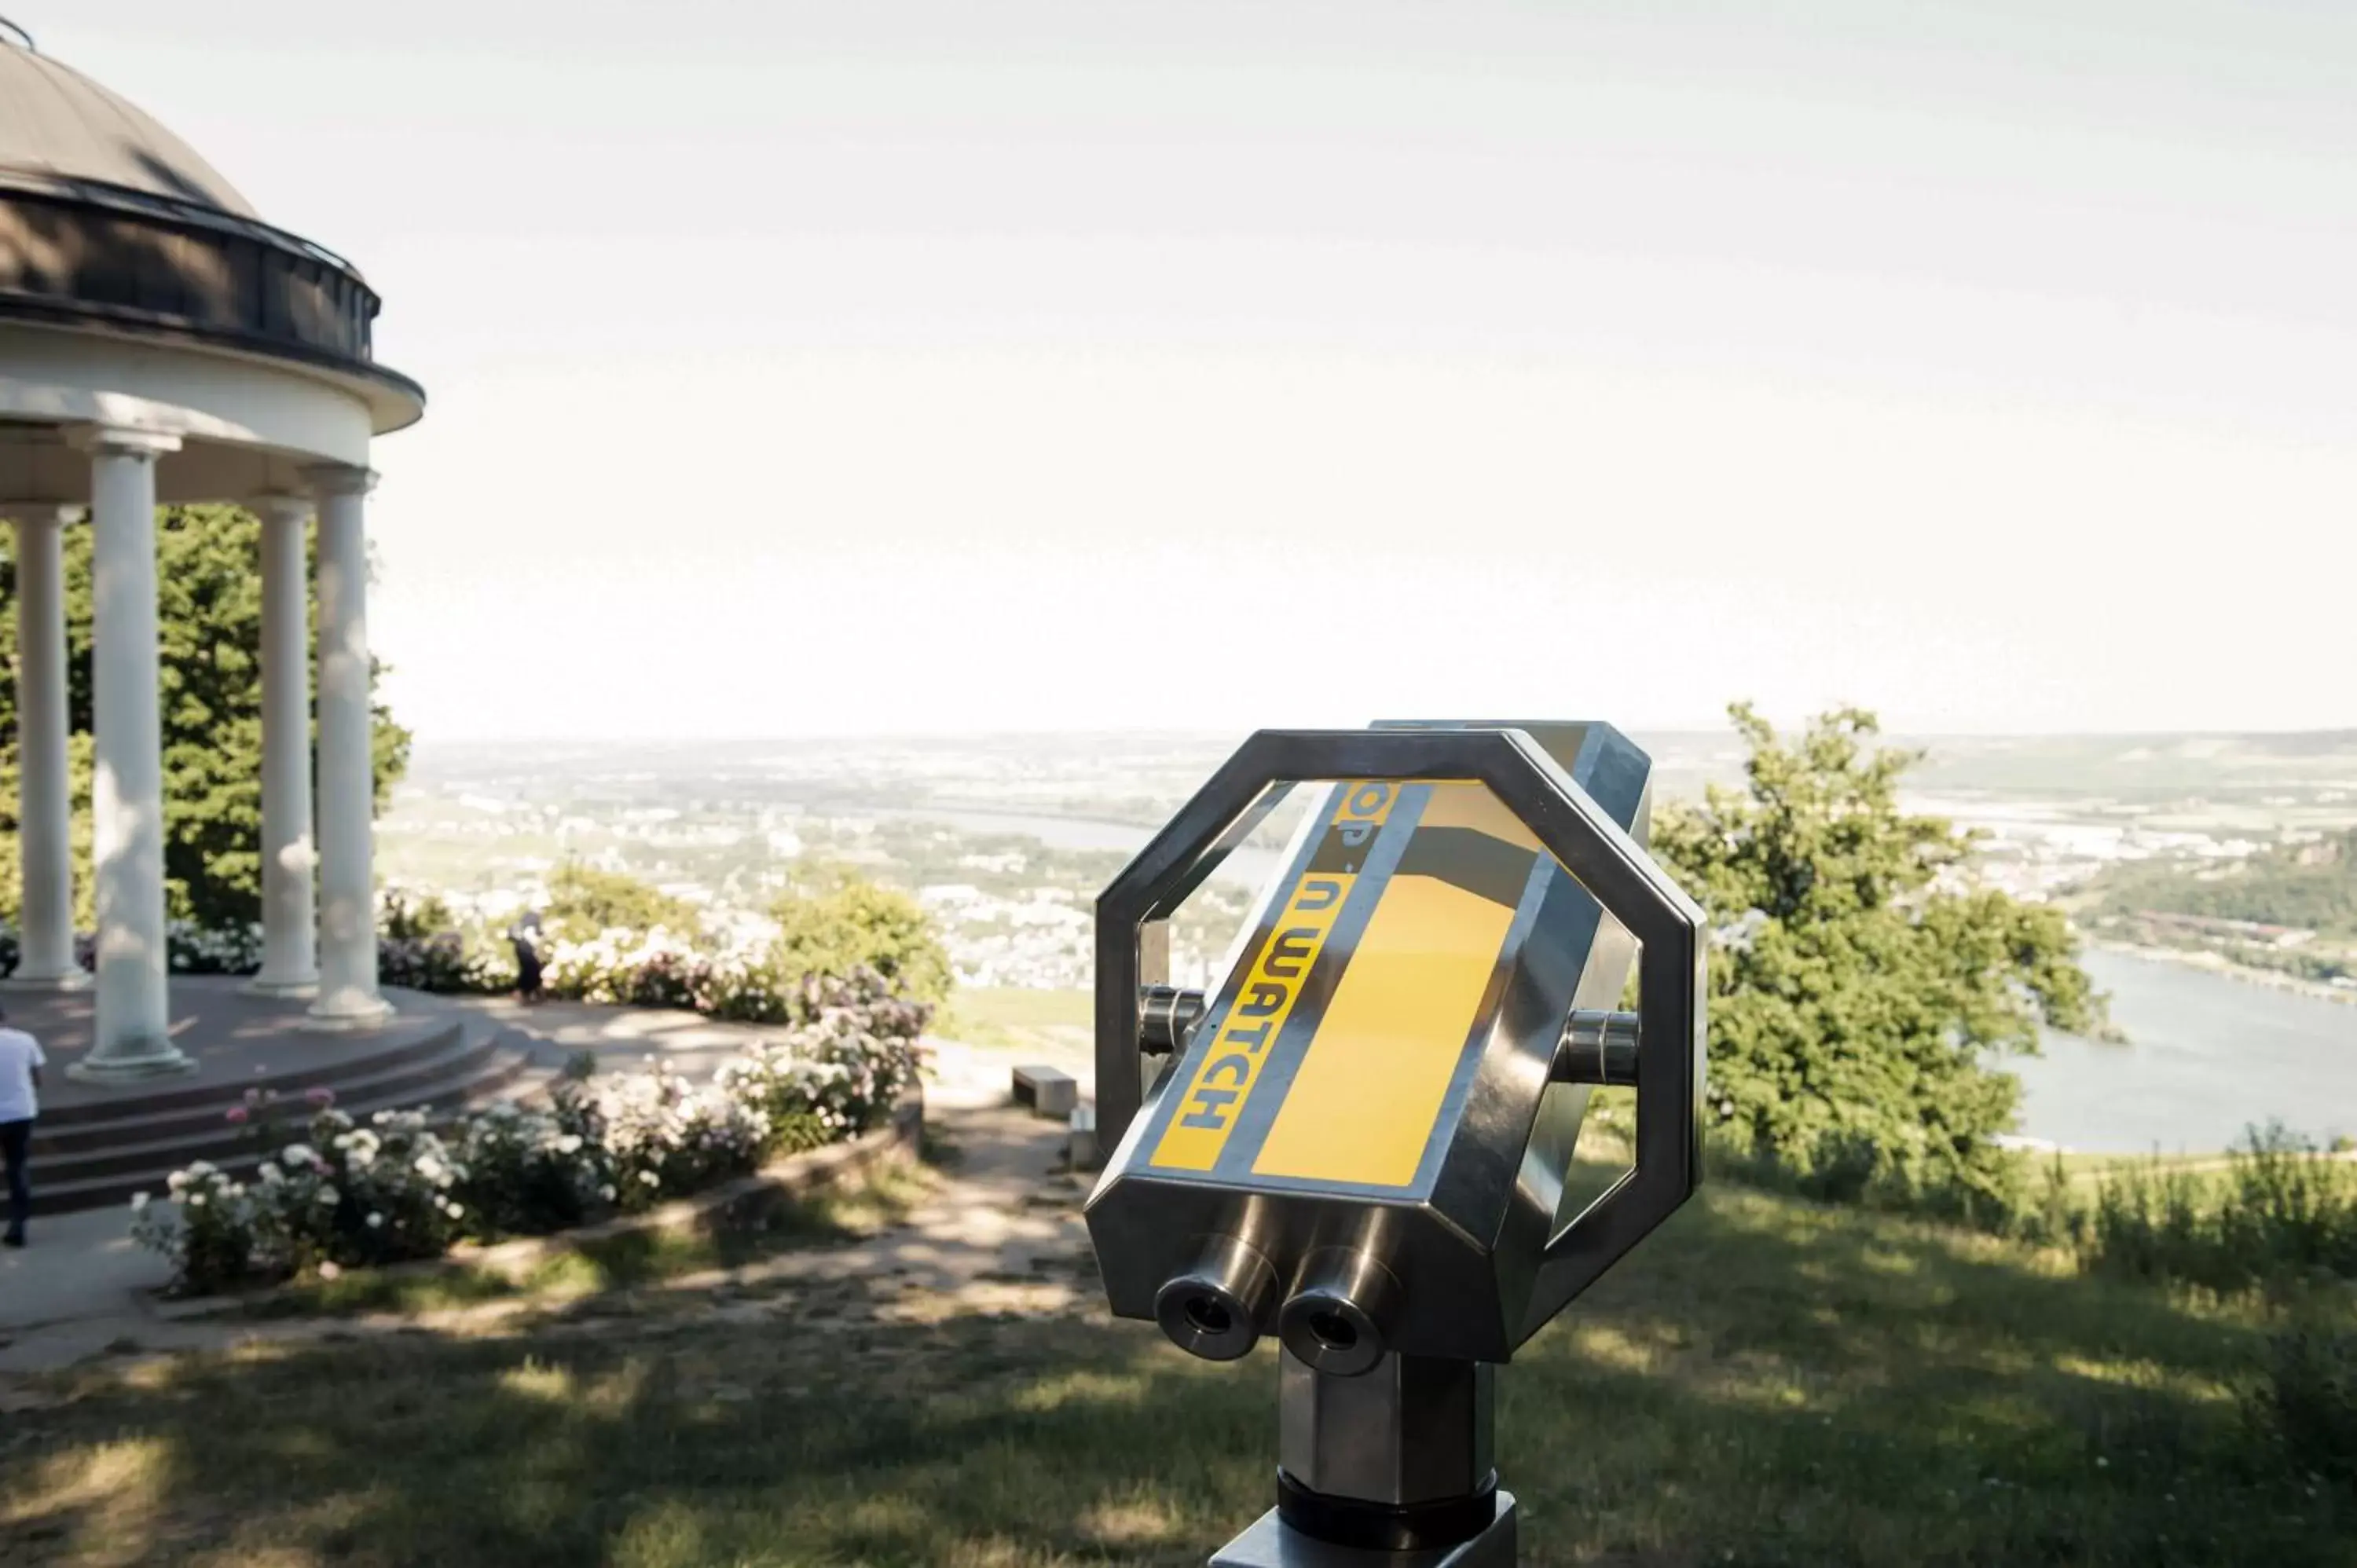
(2206, 1056)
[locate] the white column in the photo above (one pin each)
(347, 993)
(289, 945)
(45, 958)
(127, 788)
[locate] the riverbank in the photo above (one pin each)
(2212, 964)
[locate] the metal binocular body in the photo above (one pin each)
(1359, 1141)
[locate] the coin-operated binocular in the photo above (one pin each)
(1359, 1141)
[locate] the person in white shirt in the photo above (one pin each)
(20, 1080)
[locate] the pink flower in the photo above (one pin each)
(321, 1097)
(237, 1114)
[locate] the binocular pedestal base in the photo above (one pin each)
(1273, 1543)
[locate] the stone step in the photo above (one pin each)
(150, 1162)
(507, 1070)
(333, 1067)
(456, 1049)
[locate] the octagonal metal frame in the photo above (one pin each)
(1583, 839)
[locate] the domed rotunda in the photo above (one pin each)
(159, 342)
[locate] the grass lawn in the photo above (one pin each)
(1005, 1013)
(1764, 1382)
(1050, 1023)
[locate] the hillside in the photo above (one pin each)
(2309, 887)
(1764, 1382)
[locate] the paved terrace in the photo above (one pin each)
(235, 1038)
(81, 1287)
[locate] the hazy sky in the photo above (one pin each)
(875, 366)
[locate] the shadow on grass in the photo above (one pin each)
(589, 1268)
(1763, 1383)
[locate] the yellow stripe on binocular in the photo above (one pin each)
(1367, 1066)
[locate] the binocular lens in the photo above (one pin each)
(1214, 1309)
(1335, 1322)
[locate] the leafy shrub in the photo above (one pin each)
(403, 913)
(584, 902)
(1854, 1167)
(2278, 1213)
(856, 924)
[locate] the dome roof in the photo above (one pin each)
(57, 123)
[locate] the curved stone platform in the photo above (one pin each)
(98, 1144)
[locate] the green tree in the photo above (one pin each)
(209, 636)
(583, 900)
(1860, 983)
(853, 922)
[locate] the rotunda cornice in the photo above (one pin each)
(176, 257)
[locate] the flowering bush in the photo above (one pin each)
(398, 1185)
(352, 1194)
(445, 963)
(191, 948)
(746, 986)
(220, 1230)
(664, 1135)
(860, 1037)
(528, 1171)
(626, 969)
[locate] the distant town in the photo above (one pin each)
(1006, 840)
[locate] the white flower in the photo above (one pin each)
(270, 1174)
(375, 1220)
(195, 1200)
(330, 1271)
(651, 1178)
(138, 1201)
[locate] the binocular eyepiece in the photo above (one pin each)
(1215, 1309)
(1337, 1318)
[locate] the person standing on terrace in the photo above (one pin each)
(20, 1079)
(524, 937)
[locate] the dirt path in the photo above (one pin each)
(1000, 1232)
